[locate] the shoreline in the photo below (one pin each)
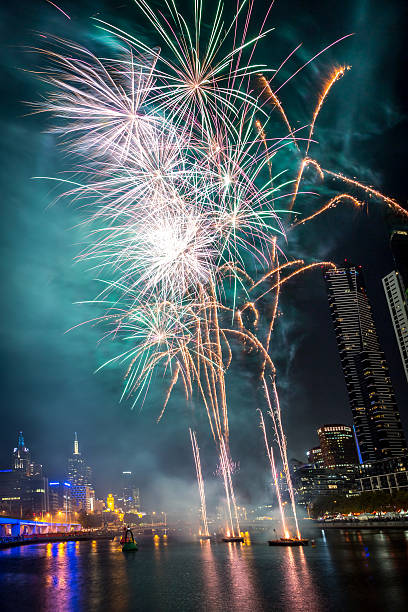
(362, 524)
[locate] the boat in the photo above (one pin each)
(128, 541)
(289, 542)
(204, 537)
(233, 539)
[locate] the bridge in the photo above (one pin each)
(16, 527)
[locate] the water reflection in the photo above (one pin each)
(214, 590)
(244, 585)
(352, 570)
(301, 592)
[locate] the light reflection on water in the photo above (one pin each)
(347, 570)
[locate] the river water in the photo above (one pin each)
(346, 570)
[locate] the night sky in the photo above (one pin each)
(48, 385)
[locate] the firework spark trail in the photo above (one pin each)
(269, 452)
(284, 453)
(225, 464)
(58, 9)
(275, 100)
(330, 204)
(371, 191)
(200, 481)
(335, 76)
(305, 162)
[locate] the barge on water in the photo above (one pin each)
(289, 542)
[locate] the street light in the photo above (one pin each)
(165, 523)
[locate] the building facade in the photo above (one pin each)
(23, 489)
(399, 250)
(311, 482)
(79, 476)
(337, 445)
(395, 288)
(314, 455)
(388, 475)
(129, 496)
(377, 423)
(21, 456)
(397, 305)
(60, 497)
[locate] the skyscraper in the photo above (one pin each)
(395, 287)
(21, 456)
(78, 472)
(23, 489)
(79, 476)
(399, 249)
(338, 446)
(129, 493)
(377, 422)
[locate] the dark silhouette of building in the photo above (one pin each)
(337, 446)
(376, 418)
(399, 249)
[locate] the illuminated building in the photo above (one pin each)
(129, 496)
(23, 489)
(311, 482)
(395, 287)
(314, 455)
(79, 476)
(60, 497)
(337, 445)
(110, 503)
(84, 497)
(377, 423)
(21, 456)
(389, 475)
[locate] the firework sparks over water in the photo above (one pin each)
(176, 179)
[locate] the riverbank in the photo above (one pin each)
(362, 524)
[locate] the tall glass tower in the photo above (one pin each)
(377, 423)
(396, 292)
(79, 477)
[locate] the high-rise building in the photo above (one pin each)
(377, 422)
(79, 476)
(394, 292)
(395, 287)
(60, 497)
(21, 456)
(399, 250)
(314, 455)
(23, 489)
(129, 494)
(337, 445)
